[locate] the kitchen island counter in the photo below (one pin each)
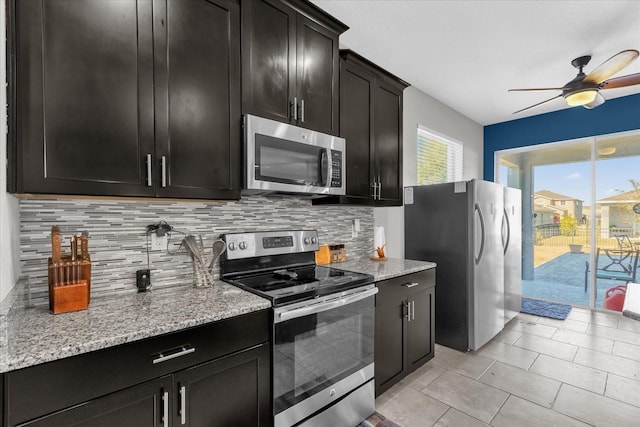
(383, 270)
(32, 335)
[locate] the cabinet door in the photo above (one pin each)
(198, 122)
(390, 336)
(388, 143)
(356, 126)
(144, 405)
(420, 328)
(84, 97)
(232, 391)
(268, 59)
(317, 77)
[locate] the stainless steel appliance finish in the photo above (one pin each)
(323, 330)
(284, 158)
(358, 404)
(460, 226)
(512, 242)
(247, 245)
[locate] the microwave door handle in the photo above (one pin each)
(324, 167)
(324, 306)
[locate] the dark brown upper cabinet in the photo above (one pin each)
(129, 98)
(371, 123)
(290, 63)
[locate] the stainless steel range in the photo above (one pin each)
(323, 325)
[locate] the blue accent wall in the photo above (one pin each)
(615, 115)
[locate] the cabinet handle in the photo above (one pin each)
(148, 170)
(181, 352)
(302, 110)
(411, 285)
(163, 161)
(379, 187)
(295, 108)
(165, 409)
(183, 405)
(375, 189)
(408, 315)
(413, 310)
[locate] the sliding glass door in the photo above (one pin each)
(580, 231)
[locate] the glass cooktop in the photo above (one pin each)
(294, 284)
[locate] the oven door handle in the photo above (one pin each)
(325, 306)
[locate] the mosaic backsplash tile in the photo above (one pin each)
(118, 239)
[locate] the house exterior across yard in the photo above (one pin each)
(549, 207)
(617, 214)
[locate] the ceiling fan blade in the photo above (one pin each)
(539, 103)
(611, 66)
(593, 104)
(537, 88)
(630, 80)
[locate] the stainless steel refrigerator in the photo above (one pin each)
(462, 227)
(512, 242)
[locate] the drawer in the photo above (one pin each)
(398, 286)
(66, 382)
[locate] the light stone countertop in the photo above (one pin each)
(383, 270)
(33, 335)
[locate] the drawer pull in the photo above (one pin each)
(411, 285)
(182, 352)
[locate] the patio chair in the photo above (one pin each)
(614, 264)
(624, 242)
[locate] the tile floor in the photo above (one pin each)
(583, 371)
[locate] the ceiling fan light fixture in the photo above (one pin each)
(581, 97)
(606, 151)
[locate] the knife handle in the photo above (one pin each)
(84, 247)
(56, 245)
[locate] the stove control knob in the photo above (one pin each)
(314, 240)
(307, 240)
(231, 246)
(242, 246)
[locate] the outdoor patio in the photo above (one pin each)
(561, 279)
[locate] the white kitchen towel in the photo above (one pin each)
(378, 237)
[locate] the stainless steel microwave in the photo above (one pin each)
(284, 158)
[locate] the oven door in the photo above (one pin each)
(323, 350)
(282, 157)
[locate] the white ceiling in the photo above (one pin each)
(467, 54)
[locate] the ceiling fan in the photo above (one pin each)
(584, 89)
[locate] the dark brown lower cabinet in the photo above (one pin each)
(142, 405)
(226, 392)
(217, 374)
(404, 336)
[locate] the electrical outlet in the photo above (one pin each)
(158, 243)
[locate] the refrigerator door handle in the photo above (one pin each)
(506, 222)
(479, 257)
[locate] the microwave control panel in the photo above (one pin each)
(336, 168)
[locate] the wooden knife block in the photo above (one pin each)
(73, 296)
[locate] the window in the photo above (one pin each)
(439, 158)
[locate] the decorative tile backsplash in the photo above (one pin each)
(118, 239)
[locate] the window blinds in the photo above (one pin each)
(439, 159)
